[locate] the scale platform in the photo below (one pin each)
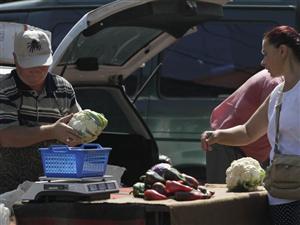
(71, 189)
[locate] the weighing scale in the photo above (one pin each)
(49, 189)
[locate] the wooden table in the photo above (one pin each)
(224, 208)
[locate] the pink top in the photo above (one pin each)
(239, 107)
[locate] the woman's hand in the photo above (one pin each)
(208, 138)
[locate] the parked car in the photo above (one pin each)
(105, 47)
(175, 90)
(193, 75)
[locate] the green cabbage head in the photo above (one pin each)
(89, 124)
(244, 174)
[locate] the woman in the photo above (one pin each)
(281, 57)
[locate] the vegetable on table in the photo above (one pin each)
(190, 181)
(173, 186)
(163, 181)
(244, 174)
(160, 168)
(138, 189)
(160, 188)
(191, 195)
(151, 177)
(173, 174)
(151, 194)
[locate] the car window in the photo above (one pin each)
(111, 46)
(60, 26)
(59, 32)
(214, 61)
(134, 83)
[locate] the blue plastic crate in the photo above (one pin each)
(87, 160)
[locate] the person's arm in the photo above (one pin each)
(21, 136)
(240, 135)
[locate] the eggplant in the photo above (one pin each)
(192, 195)
(151, 177)
(160, 188)
(160, 168)
(173, 174)
(191, 181)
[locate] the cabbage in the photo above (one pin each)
(89, 124)
(244, 174)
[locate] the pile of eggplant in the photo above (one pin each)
(163, 181)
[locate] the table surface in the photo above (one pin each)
(240, 208)
(221, 194)
(243, 208)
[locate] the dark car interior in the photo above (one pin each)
(133, 147)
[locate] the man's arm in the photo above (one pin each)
(21, 136)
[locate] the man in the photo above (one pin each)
(35, 107)
(236, 110)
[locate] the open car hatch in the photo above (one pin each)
(105, 47)
(117, 38)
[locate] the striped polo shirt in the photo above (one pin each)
(20, 105)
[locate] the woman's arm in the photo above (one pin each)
(240, 135)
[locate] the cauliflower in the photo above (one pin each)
(89, 124)
(4, 214)
(244, 174)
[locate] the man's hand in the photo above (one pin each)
(22, 136)
(65, 119)
(64, 133)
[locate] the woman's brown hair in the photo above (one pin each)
(284, 35)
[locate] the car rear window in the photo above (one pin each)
(111, 46)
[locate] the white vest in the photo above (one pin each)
(289, 125)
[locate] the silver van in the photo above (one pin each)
(173, 89)
(106, 47)
(192, 76)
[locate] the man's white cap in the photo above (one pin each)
(33, 49)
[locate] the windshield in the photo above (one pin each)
(110, 46)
